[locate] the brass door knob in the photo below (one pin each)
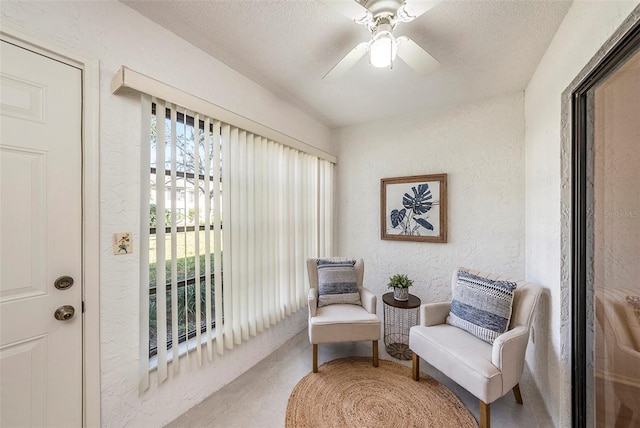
(64, 313)
(63, 282)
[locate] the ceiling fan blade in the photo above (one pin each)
(417, 58)
(411, 9)
(347, 62)
(349, 8)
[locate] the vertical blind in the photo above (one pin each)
(228, 219)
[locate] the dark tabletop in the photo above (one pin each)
(413, 301)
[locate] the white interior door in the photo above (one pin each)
(40, 240)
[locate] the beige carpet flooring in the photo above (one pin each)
(259, 397)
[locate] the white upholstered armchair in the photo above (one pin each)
(342, 322)
(488, 371)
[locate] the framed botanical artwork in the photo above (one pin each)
(414, 208)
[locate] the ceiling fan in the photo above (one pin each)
(381, 17)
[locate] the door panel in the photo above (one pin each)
(24, 203)
(616, 247)
(24, 363)
(40, 239)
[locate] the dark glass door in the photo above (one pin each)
(606, 241)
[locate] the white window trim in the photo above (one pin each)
(183, 348)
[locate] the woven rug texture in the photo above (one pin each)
(350, 392)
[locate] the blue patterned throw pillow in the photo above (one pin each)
(337, 282)
(481, 306)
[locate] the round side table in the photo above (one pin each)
(399, 317)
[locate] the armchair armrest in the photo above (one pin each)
(313, 301)
(434, 313)
(508, 355)
(368, 300)
(627, 359)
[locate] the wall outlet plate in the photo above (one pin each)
(122, 243)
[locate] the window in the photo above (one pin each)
(221, 199)
(190, 278)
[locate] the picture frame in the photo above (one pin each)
(414, 208)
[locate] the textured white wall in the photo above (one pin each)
(481, 148)
(118, 36)
(584, 30)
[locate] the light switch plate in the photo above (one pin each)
(122, 243)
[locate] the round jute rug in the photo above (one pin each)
(350, 392)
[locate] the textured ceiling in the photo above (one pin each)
(485, 48)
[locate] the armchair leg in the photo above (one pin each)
(415, 369)
(516, 393)
(485, 415)
(315, 358)
(375, 353)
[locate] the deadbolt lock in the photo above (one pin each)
(64, 313)
(63, 282)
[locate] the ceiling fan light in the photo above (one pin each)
(383, 50)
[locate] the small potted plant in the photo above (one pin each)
(400, 284)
